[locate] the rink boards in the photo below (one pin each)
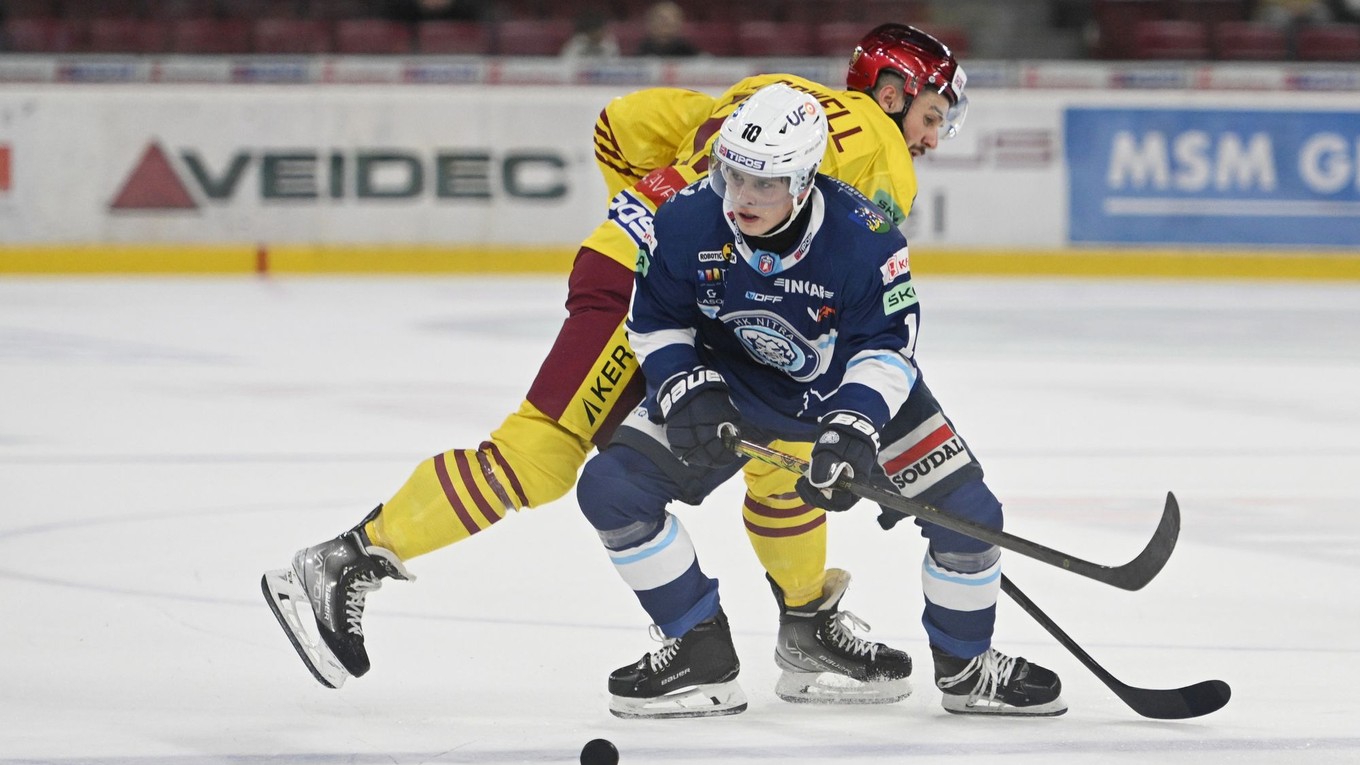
(415, 177)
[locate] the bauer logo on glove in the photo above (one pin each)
(846, 448)
(698, 412)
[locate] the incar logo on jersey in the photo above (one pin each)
(803, 287)
(741, 159)
(1214, 176)
(770, 340)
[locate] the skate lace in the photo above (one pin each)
(354, 601)
(839, 630)
(663, 655)
(993, 671)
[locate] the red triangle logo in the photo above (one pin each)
(153, 185)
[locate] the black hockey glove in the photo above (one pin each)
(847, 446)
(698, 412)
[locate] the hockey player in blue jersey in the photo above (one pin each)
(774, 302)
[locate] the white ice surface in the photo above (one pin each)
(164, 441)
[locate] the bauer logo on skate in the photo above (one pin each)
(925, 456)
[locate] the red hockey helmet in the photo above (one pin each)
(920, 59)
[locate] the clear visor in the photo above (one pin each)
(743, 189)
(953, 119)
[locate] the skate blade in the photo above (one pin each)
(832, 688)
(960, 705)
(283, 593)
(711, 700)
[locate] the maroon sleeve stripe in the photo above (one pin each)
(792, 531)
(451, 494)
(523, 501)
(765, 511)
(465, 470)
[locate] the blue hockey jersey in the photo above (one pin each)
(829, 325)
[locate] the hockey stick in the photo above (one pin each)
(1130, 576)
(1170, 704)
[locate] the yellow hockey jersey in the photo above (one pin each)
(650, 129)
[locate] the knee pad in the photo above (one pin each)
(966, 562)
(973, 501)
(619, 489)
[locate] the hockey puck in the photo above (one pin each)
(599, 751)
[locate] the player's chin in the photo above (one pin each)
(916, 151)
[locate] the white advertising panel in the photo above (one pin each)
(509, 166)
(291, 164)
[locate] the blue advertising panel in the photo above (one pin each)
(1214, 176)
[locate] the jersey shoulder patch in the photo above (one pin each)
(871, 218)
(857, 207)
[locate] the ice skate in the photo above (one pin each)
(319, 602)
(997, 684)
(825, 663)
(694, 675)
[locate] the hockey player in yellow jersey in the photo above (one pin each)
(905, 94)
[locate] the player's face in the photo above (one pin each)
(924, 121)
(760, 204)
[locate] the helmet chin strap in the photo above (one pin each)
(901, 115)
(798, 206)
(783, 237)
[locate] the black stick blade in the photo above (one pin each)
(1135, 574)
(1195, 700)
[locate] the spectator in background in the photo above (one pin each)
(1292, 13)
(592, 39)
(415, 11)
(1347, 11)
(666, 32)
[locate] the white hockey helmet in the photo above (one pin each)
(778, 133)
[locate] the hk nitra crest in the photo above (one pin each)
(770, 340)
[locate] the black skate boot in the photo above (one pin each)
(319, 602)
(996, 684)
(825, 663)
(694, 675)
